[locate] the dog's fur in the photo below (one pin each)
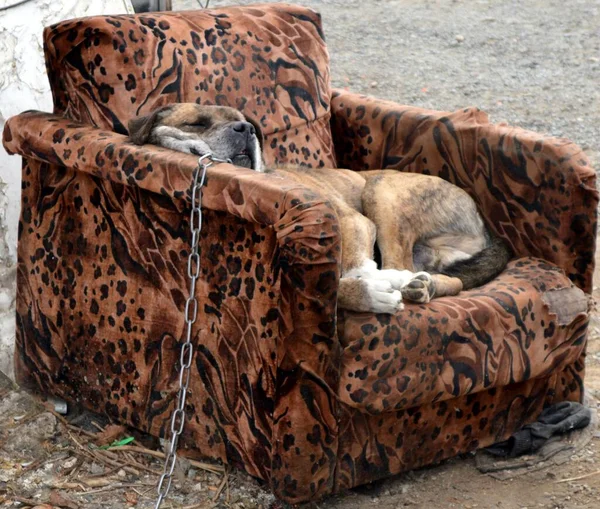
(429, 236)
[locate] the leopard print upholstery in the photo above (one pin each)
(268, 61)
(537, 192)
(373, 446)
(100, 309)
(423, 355)
(283, 386)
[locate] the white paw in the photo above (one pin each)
(369, 270)
(383, 297)
(398, 278)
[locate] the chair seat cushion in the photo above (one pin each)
(526, 323)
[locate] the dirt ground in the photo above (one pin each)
(535, 64)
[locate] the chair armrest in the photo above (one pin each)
(258, 197)
(299, 365)
(536, 192)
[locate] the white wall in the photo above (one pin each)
(24, 86)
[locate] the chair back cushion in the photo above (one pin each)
(268, 61)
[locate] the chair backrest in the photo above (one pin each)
(269, 61)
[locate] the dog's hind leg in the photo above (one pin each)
(363, 287)
(394, 203)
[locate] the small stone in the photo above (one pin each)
(6, 300)
(460, 38)
(70, 463)
(96, 468)
(374, 84)
(122, 474)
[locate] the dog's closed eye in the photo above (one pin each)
(200, 123)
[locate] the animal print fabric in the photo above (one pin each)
(278, 375)
(536, 192)
(373, 446)
(539, 194)
(102, 279)
(266, 391)
(496, 335)
(268, 61)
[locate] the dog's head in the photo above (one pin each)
(199, 129)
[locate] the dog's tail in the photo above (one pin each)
(482, 266)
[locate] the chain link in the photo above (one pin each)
(191, 314)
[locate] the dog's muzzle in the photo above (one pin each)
(245, 136)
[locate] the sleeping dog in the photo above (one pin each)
(429, 237)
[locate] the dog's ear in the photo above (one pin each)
(141, 127)
(259, 133)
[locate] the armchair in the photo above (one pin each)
(310, 400)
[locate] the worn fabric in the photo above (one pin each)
(268, 61)
(282, 386)
(499, 334)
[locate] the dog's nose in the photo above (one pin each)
(243, 127)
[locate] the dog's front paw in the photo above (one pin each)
(398, 278)
(382, 296)
(196, 147)
(420, 288)
(196, 151)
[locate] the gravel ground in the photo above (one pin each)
(535, 64)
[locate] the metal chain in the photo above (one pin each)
(191, 313)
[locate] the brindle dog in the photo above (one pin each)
(430, 238)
